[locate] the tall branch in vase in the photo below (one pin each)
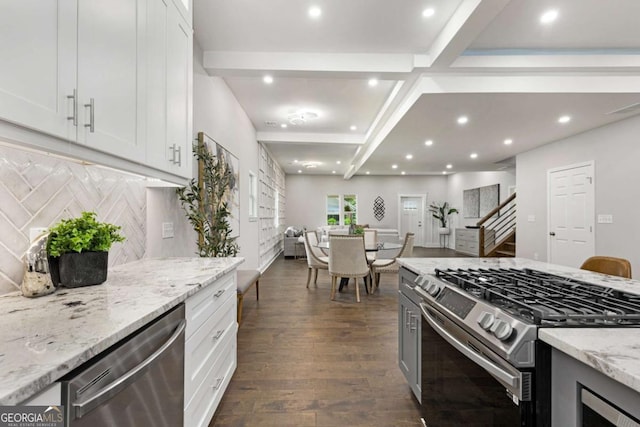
(205, 202)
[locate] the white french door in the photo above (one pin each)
(571, 207)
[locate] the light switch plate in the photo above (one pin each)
(605, 219)
(167, 230)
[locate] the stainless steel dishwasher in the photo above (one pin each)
(138, 382)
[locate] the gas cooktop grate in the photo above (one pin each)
(546, 299)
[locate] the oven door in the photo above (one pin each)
(465, 383)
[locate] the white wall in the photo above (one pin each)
(306, 197)
(616, 151)
(217, 113)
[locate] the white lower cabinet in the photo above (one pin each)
(210, 349)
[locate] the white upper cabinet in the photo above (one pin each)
(169, 88)
(38, 65)
(110, 80)
(113, 77)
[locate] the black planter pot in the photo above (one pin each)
(80, 269)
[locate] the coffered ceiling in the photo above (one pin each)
(364, 83)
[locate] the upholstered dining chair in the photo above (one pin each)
(347, 259)
(315, 260)
(370, 240)
(391, 265)
(608, 265)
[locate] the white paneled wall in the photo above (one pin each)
(271, 207)
(37, 190)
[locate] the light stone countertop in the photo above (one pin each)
(615, 352)
(44, 338)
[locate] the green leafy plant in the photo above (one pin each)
(442, 212)
(205, 204)
(358, 230)
(82, 234)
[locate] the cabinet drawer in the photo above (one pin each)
(200, 306)
(205, 345)
(207, 397)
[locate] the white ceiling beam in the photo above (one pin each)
(530, 84)
(311, 138)
(221, 62)
(471, 17)
(548, 62)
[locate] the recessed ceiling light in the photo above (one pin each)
(373, 82)
(409, 156)
(394, 166)
(428, 143)
(449, 166)
(295, 161)
(333, 171)
(508, 141)
(353, 127)
(564, 119)
(473, 155)
(283, 125)
(549, 16)
(428, 12)
(315, 12)
(402, 173)
(462, 120)
(368, 172)
(338, 162)
(299, 171)
(444, 172)
(267, 79)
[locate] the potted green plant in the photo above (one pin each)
(78, 250)
(205, 203)
(442, 213)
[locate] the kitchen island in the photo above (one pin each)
(602, 360)
(44, 338)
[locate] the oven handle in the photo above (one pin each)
(489, 366)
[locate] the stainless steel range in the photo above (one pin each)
(482, 363)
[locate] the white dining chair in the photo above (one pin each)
(347, 259)
(315, 260)
(370, 240)
(391, 265)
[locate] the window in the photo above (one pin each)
(253, 197)
(342, 209)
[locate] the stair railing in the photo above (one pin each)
(497, 225)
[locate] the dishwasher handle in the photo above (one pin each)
(125, 380)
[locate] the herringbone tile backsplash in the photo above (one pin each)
(37, 190)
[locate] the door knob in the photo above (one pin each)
(552, 233)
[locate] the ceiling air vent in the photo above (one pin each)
(633, 108)
(271, 124)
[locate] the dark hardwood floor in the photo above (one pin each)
(304, 360)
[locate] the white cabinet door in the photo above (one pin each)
(38, 64)
(169, 88)
(110, 42)
(179, 90)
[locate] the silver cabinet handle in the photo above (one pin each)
(217, 294)
(92, 108)
(487, 365)
(217, 384)
(179, 162)
(173, 153)
(406, 317)
(74, 115)
(124, 381)
(552, 233)
(413, 326)
(218, 334)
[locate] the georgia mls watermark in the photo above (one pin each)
(31, 416)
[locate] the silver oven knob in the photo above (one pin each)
(432, 288)
(502, 330)
(485, 320)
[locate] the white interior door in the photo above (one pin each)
(412, 217)
(571, 214)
